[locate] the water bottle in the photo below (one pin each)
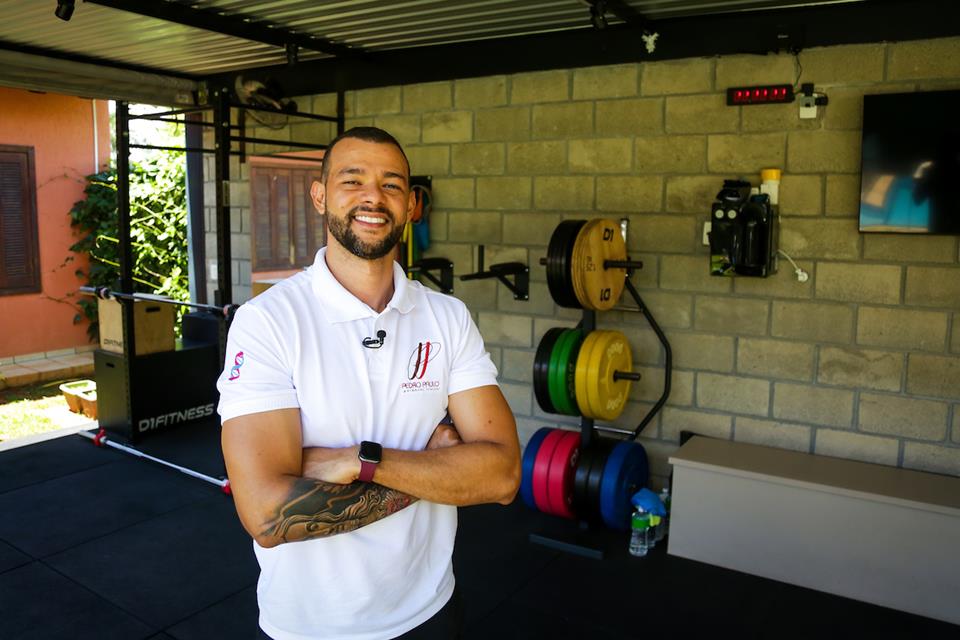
(656, 529)
(664, 527)
(640, 533)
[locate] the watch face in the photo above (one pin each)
(370, 451)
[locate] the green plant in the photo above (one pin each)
(158, 231)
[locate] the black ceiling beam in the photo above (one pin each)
(234, 25)
(625, 12)
(755, 32)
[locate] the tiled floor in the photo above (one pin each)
(17, 374)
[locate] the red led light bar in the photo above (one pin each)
(770, 94)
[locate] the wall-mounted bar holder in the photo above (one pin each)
(426, 266)
(520, 287)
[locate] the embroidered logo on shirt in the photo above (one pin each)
(237, 363)
(420, 359)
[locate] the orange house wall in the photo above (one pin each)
(61, 131)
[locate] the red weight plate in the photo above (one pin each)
(541, 469)
(563, 468)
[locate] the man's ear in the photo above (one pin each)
(411, 203)
(318, 195)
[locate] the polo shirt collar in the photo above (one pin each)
(339, 305)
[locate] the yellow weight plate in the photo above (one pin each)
(581, 374)
(597, 242)
(607, 397)
(576, 277)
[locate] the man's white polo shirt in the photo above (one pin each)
(300, 344)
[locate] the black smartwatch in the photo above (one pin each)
(370, 455)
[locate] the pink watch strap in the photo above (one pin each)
(367, 469)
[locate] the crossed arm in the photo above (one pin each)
(284, 493)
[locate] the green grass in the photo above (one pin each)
(23, 410)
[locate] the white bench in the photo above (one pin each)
(874, 533)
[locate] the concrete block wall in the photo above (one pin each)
(862, 361)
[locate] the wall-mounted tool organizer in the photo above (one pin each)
(743, 232)
(416, 239)
(520, 287)
(582, 371)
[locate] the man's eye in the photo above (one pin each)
(392, 186)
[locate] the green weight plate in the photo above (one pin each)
(541, 367)
(571, 375)
(559, 391)
(555, 373)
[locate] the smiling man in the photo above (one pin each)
(336, 384)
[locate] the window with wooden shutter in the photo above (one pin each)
(19, 255)
(287, 230)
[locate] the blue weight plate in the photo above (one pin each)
(529, 458)
(625, 473)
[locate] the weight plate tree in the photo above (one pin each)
(587, 371)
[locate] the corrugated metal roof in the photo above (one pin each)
(119, 36)
(128, 38)
(138, 43)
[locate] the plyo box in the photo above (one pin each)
(153, 326)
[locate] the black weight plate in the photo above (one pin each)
(559, 255)
(567, 265)
(554, 274)
(595, 479)
(581, 495)
(541, 369)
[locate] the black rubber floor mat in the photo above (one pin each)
(51, 516)
(234, 617)
(42, 461)
(168, 568)
(40, 604)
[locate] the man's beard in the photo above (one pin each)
(340, 229)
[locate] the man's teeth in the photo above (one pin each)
(371, 219)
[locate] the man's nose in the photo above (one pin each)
(373, 193)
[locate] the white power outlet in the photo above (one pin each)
(808, 106)
(706, 233)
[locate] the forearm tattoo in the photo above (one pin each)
(315, 509)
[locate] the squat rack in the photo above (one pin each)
(131, 382)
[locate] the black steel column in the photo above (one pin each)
(126, 253)
(221, 116)
(196, 217)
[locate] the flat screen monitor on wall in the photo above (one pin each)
(910, 177)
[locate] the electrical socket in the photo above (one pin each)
(808, 106)
(706, 233)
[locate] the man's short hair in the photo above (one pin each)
(367, 134)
